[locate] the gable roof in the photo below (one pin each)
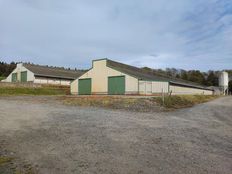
(145, 75)
(45, 71)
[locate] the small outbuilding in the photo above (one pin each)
(108, 77)
(42, 74)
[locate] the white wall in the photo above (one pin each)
(152, 87)
(178, 90)
(99, 75)
(20, 68)
(145, 88)
(43, 80)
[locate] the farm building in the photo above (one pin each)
(42, 74)
(114, 78)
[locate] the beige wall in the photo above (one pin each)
(20, 68)
(177, 90)
(99, 75)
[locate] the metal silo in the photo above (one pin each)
(224, 82)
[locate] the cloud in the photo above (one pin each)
(181, 33)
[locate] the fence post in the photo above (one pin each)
(163, 96)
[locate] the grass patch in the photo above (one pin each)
(8, 165)
(4, 160)
(33, 91)
(131, 104)
(183, 101)
(2, 78)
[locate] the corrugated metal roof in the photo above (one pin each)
(144, 75)
(45, 71)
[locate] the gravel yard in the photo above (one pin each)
(59, 139)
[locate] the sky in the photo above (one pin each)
(185, 34)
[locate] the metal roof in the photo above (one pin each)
(145, 75)
(53, 72)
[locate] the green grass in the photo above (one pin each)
(4, 160)
(183, 101)
(33, 91)
(8, 165)
(2, 78)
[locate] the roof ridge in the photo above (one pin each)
(52, 67)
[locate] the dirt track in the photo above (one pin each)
(61, 139)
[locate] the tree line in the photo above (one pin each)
(209, 78)
(6, 69)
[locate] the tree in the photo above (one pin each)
(183, 75)
(196, 76)
(212, 79)
(230, 86)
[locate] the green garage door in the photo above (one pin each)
(84, 86)
(24, 76)
(14, 77)
(116, 85)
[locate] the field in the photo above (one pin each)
(45, 90)
(39, 134)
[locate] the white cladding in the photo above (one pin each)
(181, 90)
(153, 87)
(223, 79)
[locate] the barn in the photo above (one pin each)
(42, 74)
(109, 77)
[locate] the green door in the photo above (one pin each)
(24, 76)
(84, 86)
(116, 85)
(14, 77)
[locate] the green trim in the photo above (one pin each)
(85, 86)
(14, 77)
(23, 76)
(116, 85)
(153, 80)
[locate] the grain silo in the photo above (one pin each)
(224, 82)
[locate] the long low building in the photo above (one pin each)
(42, 74)
(108, 77)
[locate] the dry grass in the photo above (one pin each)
(138, 104)
(125, 103)
(183, 101)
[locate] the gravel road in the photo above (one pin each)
(59, 139)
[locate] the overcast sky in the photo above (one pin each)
(187, 34)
